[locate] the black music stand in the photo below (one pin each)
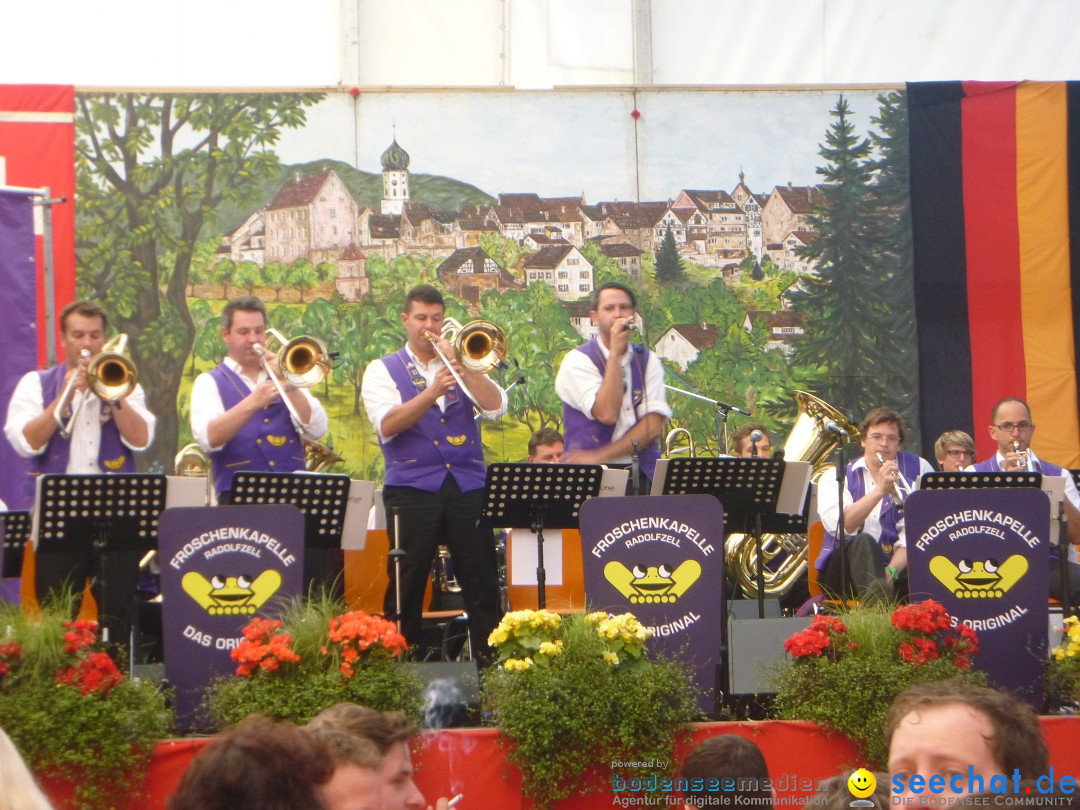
(749, 489)
(16, 536)
(322, 499)
(539, 496)
(98, 526)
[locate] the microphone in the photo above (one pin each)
(630, 327)
(832, 427)
(757, 436)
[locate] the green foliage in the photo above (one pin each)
(669, 265)
(102, 741)
(1063, 670)
(299, 692)
(849, 689)
(566, 722)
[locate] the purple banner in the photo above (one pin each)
(220, 566)
(662, 559)
(984, 555)
(18, 329)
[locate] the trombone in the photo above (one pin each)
(303, 362)
(479, 346)
(110, 376)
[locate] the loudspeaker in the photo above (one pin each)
(451, 693)
(755, 650)
(747, 608)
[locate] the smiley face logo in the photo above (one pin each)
(652, 584)
(223, 595)
(975, 579)
(861, 783)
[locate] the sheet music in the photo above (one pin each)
(612, 482)
(184, 490)
(523, 554)
(793, 488)
(354, 528)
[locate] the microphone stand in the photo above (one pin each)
(1067, 606)
(841, 530)
(635, 468)
(722, 410)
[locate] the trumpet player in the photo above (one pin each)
(435, 470)
(876, 485)
(238, 414)
(62, 426)
(1011, 429)
(612, 390)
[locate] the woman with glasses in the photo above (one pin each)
(876, 485)
(954, 451)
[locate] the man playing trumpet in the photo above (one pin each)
(238, 415)
(876, 485)
(435, 471)
(62, 426)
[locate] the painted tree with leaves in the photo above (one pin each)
(669, 264)
(151, 170)
(848, 333)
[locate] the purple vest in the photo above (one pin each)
(1044, 467)
(440, 442)
(113, 454)
(585, 433)
(911, 467)
(268, 441)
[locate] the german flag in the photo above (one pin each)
(997, 256)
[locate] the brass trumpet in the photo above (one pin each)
(901, 488)
(110, 376)
(1022, 459)
(303, 362)
(479, 346)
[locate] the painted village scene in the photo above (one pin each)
(738, 258)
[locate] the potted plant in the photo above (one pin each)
(574, 696)
(845, 670)
(316, 655)
(70, 711)
(1063, 670)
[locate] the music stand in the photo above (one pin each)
(539, 496)
(16, 536)
(100, 526)
(749, 489)
(322, 499)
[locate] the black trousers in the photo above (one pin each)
(866, 564)
(1054, 582)
(448, 517)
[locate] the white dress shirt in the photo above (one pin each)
(27, 404)
(578, 383)
(206, 405)
(381, 395)
(1071, 493)
(829, 506)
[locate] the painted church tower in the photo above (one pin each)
(395, 174)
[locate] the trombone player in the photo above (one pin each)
(64, 427)
(435, 471)
(239, 415)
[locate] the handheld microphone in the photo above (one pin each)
(630, 327)
(832, 427)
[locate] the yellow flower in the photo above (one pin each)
(551, 648)
(611, 658)
(498, 636)
(511, 664)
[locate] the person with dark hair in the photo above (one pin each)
(390, 732)
(435, 470)
(104, 436)
(612, 390)
(1011, 429)
(835, 794)
(726, 770)
(357, 780)
(954, 450)
(876, 485)
(258, 764)
(546, 446)
(744, 446)
(237, 413)
(963, 732)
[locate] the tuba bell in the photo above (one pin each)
(480, 346)
(785, 555)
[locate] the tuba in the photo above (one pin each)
(785, 555)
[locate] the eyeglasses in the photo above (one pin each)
(891, 438)
(959, 453)
(1009, 427)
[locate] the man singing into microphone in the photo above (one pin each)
(612, 390)
(876, 485)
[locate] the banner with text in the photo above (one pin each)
(984, 555)
(220, 566)
(662, 559)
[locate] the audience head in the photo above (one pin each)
(727, 766)
(945, 727)
(356, 783)
(546, 446)
(259, 763)
(954, 450)
(836, 794)
(18, 790)
(390, 732)
(742, 442)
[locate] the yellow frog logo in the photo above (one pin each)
(277, 441)
(457, 441)
(230, 595)
(114, 463)
(979, 579)
(653, 584)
